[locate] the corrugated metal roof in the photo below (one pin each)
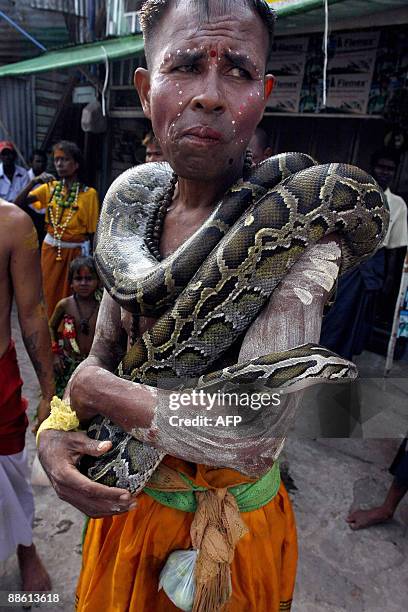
(72, 7)
(17, 113)
(49, 29)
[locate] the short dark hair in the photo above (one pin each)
(72, 149)
(149, 139)
(81, 262)
(39, 153)
(389, 154)
(152, 11)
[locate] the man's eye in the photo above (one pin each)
(187, 68)
(239, 73)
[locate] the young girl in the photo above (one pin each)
(72, 325)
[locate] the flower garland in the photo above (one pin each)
(70, 202)
(69, 333)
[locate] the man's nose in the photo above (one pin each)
(211, 98)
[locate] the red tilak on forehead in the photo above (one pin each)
(213, 53)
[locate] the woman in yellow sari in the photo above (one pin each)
(71, 215)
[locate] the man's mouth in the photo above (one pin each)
(203, 135)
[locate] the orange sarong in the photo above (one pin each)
(124, 555)
(81, 225)
(55, 275)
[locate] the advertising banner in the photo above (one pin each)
(288, 66)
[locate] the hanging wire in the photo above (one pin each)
(105, 85)
(325, 50)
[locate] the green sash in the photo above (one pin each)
(249, 496)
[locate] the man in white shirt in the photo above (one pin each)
(38, 163)
(13, 178)
(384, 165)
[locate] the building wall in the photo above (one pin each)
(17, 113)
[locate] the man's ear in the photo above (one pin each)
(269, 85)
(142, 84)
(268, 152)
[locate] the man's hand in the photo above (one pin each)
(43, 412)
(58, 364)
(44, 177)
(59, 453)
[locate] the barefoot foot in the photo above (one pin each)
(360, 519)
(34, 576)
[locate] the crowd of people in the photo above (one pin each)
(58, 298)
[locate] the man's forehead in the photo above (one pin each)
(186, 26)
(386, 163)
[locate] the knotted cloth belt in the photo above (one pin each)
(217, 525)
(85, 246)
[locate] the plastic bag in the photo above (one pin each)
(38, 476)
(92, 119)
(177, 578)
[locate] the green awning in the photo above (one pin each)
(306, 16)
(294, 16)
(91, 53)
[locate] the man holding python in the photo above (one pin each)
(190, 255)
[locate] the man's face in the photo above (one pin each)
(38, 164)
(65, 164)
(8, 157)
(206, 92)
(384, 171)
(84, 282)
(154, 152)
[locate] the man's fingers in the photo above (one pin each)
(96, 448)
(84, 445)
(73, 481)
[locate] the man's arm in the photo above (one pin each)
(96, 389)
(60, 452)
(24, 199)
(293, 317)
(27, 285)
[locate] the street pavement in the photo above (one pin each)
(339, 570)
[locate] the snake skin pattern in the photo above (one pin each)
(210, 290)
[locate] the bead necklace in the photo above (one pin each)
(70, 203)
(155, 224)
(84, 321)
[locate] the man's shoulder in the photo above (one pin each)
(395, 199)
(21, 169)
(14, 221)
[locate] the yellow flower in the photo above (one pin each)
(61, 418)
